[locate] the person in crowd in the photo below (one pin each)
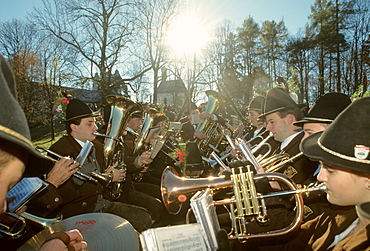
(257, 125)
(256, 132)
(188, 129)
(137, 164)
(69, 195)
(323, 112)
(343, 150)
(280, 112)
(18, 158)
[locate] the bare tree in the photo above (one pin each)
(155, 18)
(20, 42)
(99, 30)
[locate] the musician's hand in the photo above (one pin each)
(62, 171)
(200, 135)
(234, 153)
(260, 170)
(145, 159)
(21, 210)
(205, 115)
(64, 241)
(145, 168)
(119, 175)
(274, 184)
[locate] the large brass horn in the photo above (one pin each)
(121, 110)
(246, 201)
(210, 128)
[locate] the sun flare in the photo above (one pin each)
(188, 35)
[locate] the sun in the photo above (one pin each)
(188, 35)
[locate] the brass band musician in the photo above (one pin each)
(77, 196)
(19, 158)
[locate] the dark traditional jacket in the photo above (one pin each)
(318, 234)
(300, 171)
(71, 198)
(130, 161)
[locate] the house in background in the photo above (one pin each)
(171, 92)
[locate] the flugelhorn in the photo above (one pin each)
(246, 203)
(176, 190)
(18, 228)
(93, 176)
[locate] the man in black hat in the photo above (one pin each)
(323, 112)
(18, 157)
(148, 195)
(256, 132)
(81, 196)
(343, 149)
(257, 125)
(280, 112)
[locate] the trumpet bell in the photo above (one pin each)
(177, 190)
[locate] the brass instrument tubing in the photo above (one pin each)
(282, 164)
(219, 161)
(244, 148)
(78, 174)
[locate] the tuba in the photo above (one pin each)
(213, 130)
(121, 110)
(246, 204)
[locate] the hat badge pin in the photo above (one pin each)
(361, 151)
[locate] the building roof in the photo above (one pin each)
(88, 96)
(171, 86)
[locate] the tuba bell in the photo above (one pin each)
(246, 203)
(210, 128)
(121, 110)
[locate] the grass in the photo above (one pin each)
(41, 134)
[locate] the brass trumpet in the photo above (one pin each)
(93, 176)
(18, 228)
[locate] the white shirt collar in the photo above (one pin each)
(80, 142)
(287, 140)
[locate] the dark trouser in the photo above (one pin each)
(152, 204)
(148, 188)
(138, 217)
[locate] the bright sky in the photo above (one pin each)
(294, 12)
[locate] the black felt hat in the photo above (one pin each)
(77, 109)
(13, 124)
(256, 103)
(277, 99)
(346, 141)
(194, 159)
(326, 108)
(137, 114)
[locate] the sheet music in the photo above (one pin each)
(157, 146)
(175, 238)
(175, 127)
(205, 213)
(85, 151)
(23, 191)
(195, 119)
